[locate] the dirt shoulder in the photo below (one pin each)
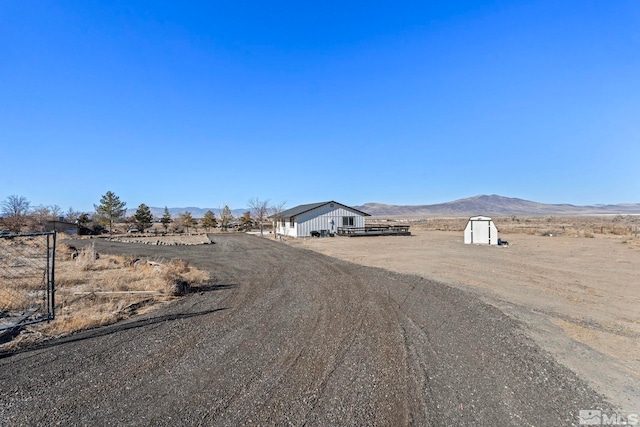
(579, 297)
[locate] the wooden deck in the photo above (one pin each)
(374, 230)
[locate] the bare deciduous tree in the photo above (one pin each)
(55, 211)
(277, 208)
(274, 211)
(38, 218)
(259, 210)
(15, 210)
(72, 215)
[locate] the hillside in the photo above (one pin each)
(496, 205)
(477, 205)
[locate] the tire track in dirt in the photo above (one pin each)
(296, 339)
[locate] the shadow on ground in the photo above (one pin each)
(111, 329)
(211, 287)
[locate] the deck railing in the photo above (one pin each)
(375, 230)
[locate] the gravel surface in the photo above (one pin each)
(287, 336)
(576, 297)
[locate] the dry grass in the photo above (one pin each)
(22, 262)
(11, 298)
(94, 290)
(583, 226)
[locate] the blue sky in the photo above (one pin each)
(210, 103)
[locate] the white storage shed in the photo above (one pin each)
(481, 230)
(323, 218)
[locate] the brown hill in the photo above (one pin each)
(496, 205)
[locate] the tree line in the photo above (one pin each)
(17, 215)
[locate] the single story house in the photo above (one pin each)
(481, 230)
(322, 218)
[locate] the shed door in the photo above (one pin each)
(480, 231)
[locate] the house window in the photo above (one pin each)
(348, 221)
(292, 222)
(283, 222)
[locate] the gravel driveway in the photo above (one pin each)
(286, 336)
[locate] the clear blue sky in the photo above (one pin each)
(206, 103)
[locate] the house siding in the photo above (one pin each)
(325, 217)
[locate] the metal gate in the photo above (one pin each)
(27, 279)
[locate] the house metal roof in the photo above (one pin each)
(311, 206)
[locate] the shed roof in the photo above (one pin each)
(311, 206)
(480, 218)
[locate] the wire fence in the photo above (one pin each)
(27, 266)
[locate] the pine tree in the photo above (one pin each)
(209, 220)
(143, 217)
(186, 220)
(166, 219)
(110, 210)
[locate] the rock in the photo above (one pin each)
(179, 287)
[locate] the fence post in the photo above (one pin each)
(52, 279)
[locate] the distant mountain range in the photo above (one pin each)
(477, 205)
(496, 205)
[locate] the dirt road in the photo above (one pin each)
(287, 336)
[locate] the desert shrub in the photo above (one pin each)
(86, 258)
(66, 251)
(179, 277)
(620, 231)
(176, 266)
